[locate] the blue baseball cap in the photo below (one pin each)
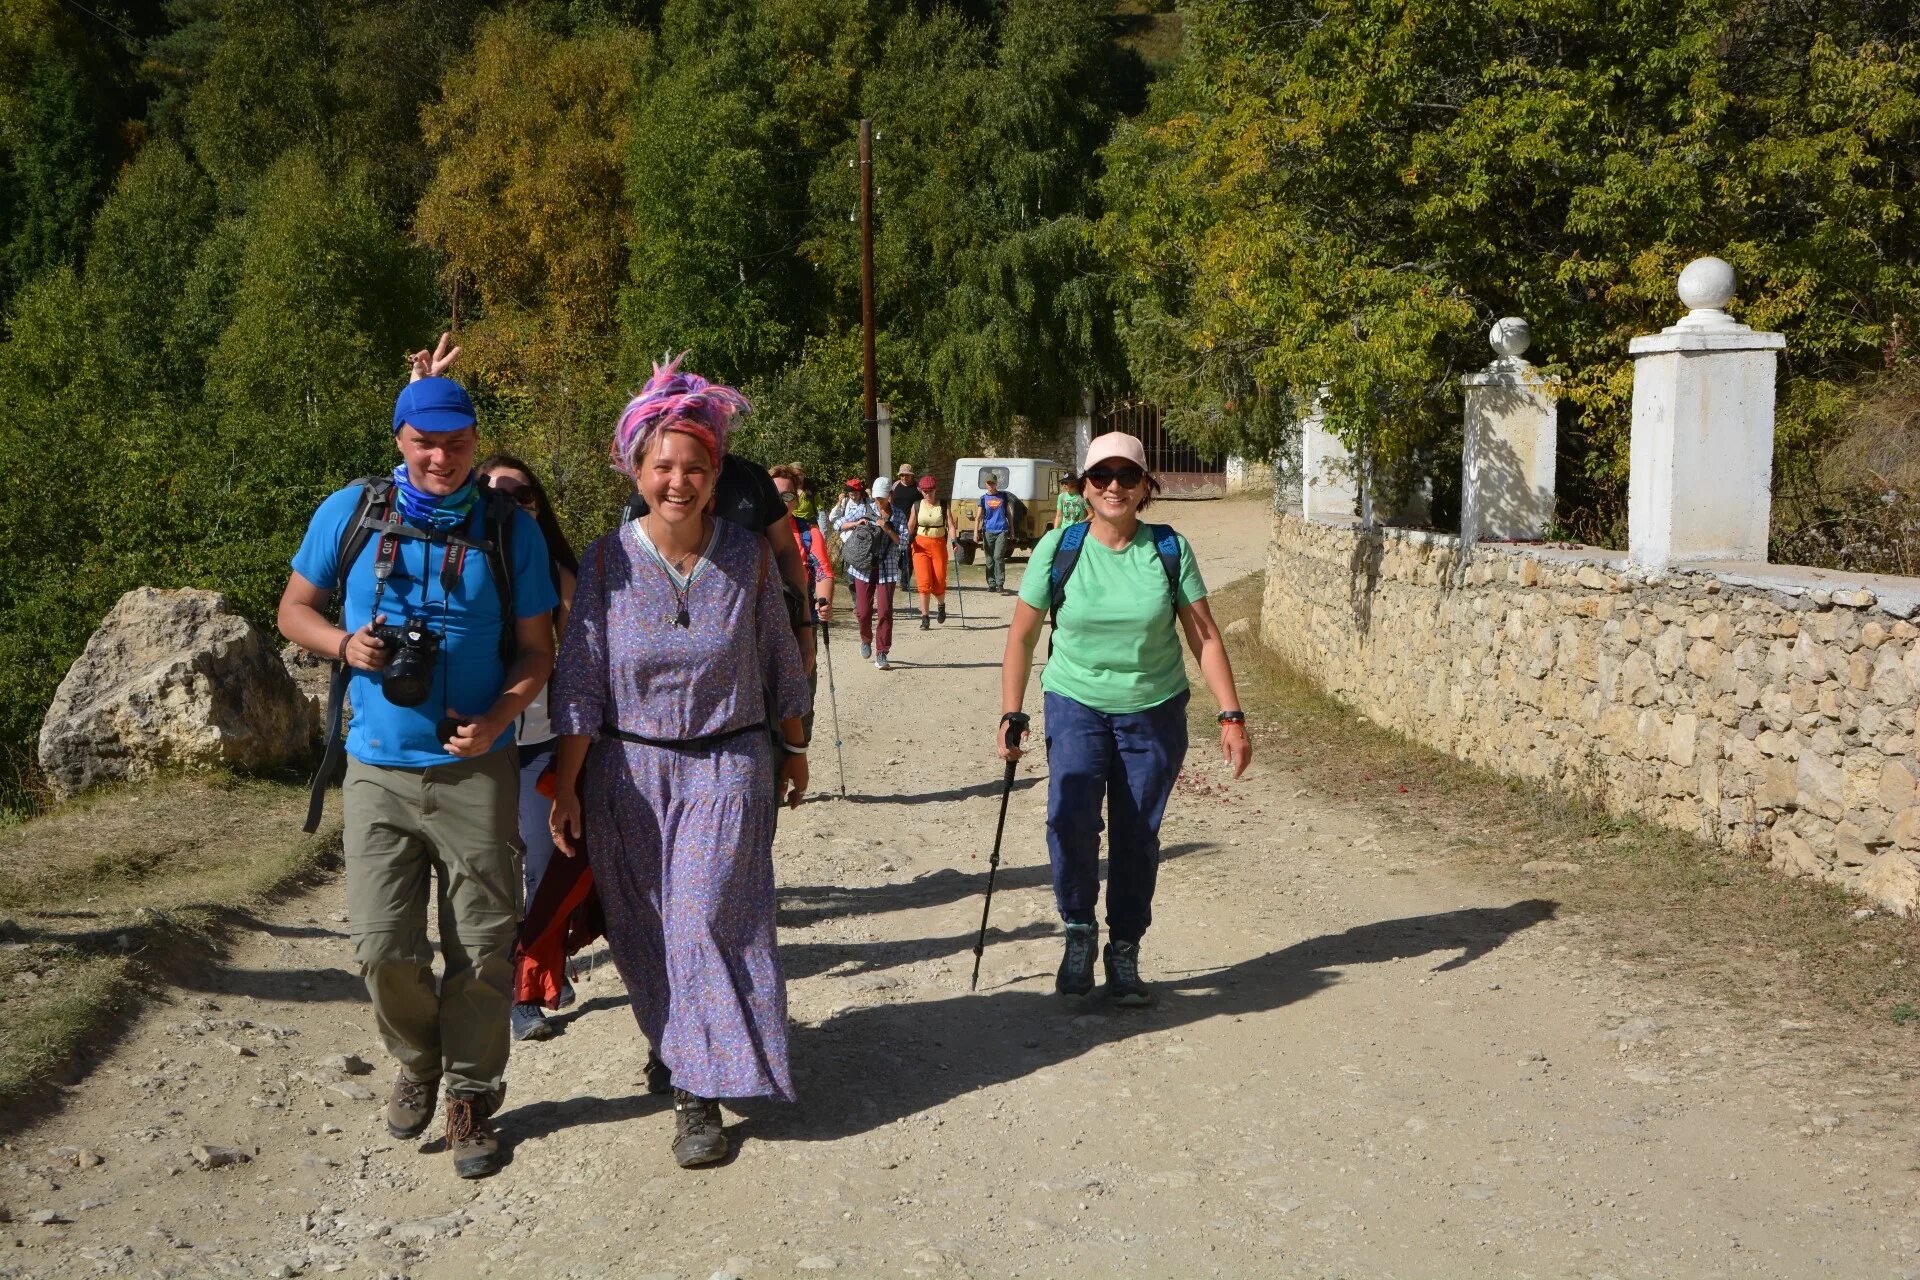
(433, 405)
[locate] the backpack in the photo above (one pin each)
(858, 547)
(377, 512)
(1066, 555)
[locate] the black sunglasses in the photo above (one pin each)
(1101, 477)
(521, 494)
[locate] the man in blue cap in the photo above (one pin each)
(431, 786)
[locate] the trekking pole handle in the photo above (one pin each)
(1016, 723)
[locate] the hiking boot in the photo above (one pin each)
(1123, 975)
(866, 650)
(659, 1074)
(1076, 966)
(942, 617)
(697, 1135)
(410, 1106)
(471, 1138)
(529, 1022)
(926, 623)
(880, 661)
(567, 994)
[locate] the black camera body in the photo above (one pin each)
(408, 676)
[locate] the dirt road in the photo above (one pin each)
(1360, 1066)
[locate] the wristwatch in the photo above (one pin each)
(1233, 717)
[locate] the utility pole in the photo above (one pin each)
(872, 412)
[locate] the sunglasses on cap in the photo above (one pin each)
(1101, 477)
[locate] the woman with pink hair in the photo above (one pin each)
(677, 656)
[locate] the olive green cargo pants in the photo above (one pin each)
(460, 822)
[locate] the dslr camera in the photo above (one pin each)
(408, 678)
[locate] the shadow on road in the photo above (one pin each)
(914, 1056)
(807, 959)
(806, 904)
(973, 792)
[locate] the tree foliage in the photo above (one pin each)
(1345, 192)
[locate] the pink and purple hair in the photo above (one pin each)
(674, 400)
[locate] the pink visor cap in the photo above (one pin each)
(1115, 444)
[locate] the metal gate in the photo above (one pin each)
(1182, 469)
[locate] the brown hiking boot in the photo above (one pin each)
(697, 1135)
(471, 1137)
(410, 1106)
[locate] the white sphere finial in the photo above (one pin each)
(1707, 284)
(1510, 337)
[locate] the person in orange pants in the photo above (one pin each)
(927, 522)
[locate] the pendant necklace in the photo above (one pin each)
(681, 617)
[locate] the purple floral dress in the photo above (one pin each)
(680, 838)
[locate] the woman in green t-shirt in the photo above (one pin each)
(1115, 705)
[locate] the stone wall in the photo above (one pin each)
(1767, 708)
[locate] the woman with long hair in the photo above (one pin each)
(535, 738)
(1121, 592)
(677, 655)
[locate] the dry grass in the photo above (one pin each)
(125, 888)
(1676, 906)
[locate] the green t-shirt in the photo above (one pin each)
(1072, 508)
(1117, 644)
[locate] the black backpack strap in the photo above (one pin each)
(500, 512)
(376, 498)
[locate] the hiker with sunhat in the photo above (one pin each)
(870, 547)
(927, 527)
(1121, 592)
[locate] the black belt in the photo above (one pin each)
(700, 743)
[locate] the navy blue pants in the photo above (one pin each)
(1124, 764)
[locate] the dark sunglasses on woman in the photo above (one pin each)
(1101, 477)
(522, 495)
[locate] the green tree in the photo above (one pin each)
(1345, 191)
(525, 208)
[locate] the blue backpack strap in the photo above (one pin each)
(1167, 543)
(1066, 554)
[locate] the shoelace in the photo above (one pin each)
(415, 1094)
(696, 1114)
(1126, 966)
(1080, 946)
(462, 1123)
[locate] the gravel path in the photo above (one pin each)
(1361, 1065)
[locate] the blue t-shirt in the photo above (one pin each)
(468, 674)
(993, 507)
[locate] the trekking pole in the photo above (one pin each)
(960, 593)
(1016, 723)
(833, 702)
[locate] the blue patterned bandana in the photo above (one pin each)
(430, 510)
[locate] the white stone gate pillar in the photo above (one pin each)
(1700, 484)
(1328, 487)
(1508, 455)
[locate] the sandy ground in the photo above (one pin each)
(1361, 1065)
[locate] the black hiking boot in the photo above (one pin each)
(697, 1134)
(943, 613)
(1123, 975)
(659, 1074)
(1076, 966)
(410, 1106)
(926, 623)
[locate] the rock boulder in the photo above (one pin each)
(172, 679)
